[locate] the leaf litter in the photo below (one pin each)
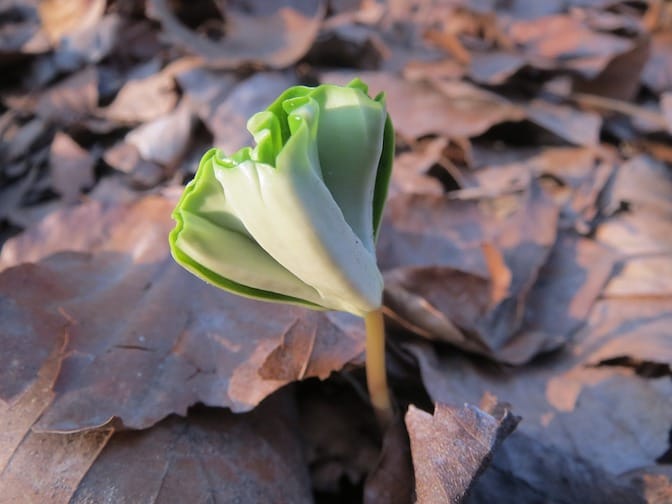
(525, 249)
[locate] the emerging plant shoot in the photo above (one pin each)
(295, 218)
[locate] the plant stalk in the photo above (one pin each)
(376, 377)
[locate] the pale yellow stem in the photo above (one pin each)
(376, 378)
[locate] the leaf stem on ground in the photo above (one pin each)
(376, 377)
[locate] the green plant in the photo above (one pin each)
(295, 218)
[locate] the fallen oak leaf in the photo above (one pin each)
(225, 105)
(25, 35)
(575, 126)
(655, 75)
(71, 101)
(641, 183)
(609, 416)
(165, 139)
(410, 174)
(567, 286)
(275, 40)
(439, 279)
(210, 456)
(452, 108)
(63, 459)
(563, 41)
(529, 471)
(452, 447)
(71, 167)
(64, 18)
(611, 335)
(138, 327)
(156, 92)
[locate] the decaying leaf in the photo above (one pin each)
(145, 338)
(583, 401)
(210, 456)
(25, 35)
(60, 18)
(575, 126)
(63, 459)
(225, 107)
(452, 447)
(455, 110)
(564, 40)
(529, 228)
(528, 471)
(156, 92)
(71, 101)
(439, 280)
(275, 39)
(655, 74)
(164, 140)
(410, 174)
(71, 167)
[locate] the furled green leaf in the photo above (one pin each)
(294, 219)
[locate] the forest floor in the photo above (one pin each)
(526, 248)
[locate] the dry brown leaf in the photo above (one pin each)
(607, 416)
(205, 90)
(620, 79)
(574, 177)
(655, 483)
(564, 41)
(519, 9)
(62, 18)
(634, 329)
(92, 43)
(438, 278)
(666, 106)
(643, 277)
(410, 174)
(529, 471)
(147, 97)
(275, 36)
(24, 35)
(451, 448)
(71, 101)
(71, 167)
(225, 107)
(210, 456)
(641, 183)
(348, 44)
(146, 338)
(575, 126)
(80, 228)
(164, 140)
(63, 459)
(18, 141)
(656, 74)
(450, 108)
(494, 67)
(639, 233)
(125, 157)
(562, 297)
